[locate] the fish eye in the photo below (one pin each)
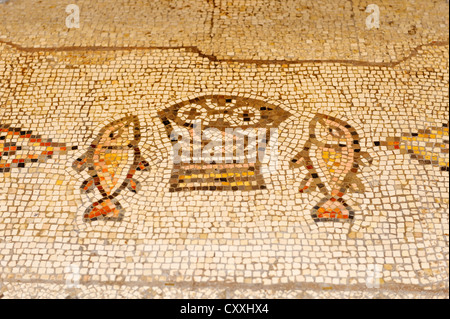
(335, 132)
(115, 134)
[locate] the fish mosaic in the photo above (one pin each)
(428, 146)
(332, 155)
(20, 147)
(112, 160)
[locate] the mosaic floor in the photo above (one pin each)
(224, 149)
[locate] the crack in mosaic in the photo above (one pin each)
(227, 225)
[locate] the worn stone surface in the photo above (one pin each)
(92, 203)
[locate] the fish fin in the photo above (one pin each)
(80, 163)
(134, 186)
(88, 185)
(143, 166)
(106, 208)
(365, 159)
(307, 185)
(332, 208)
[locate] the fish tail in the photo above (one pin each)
(332, 208)
(105, 208)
